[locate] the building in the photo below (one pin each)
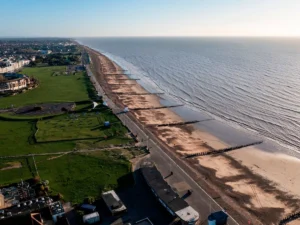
(2, 202)
(10, 82)
(174, 204)
(56, 210)
(113, 202)
(8, 66)
(91, 218)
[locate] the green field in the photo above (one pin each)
(63, 88)
(16, 138)
(77, 176)
(79, 126)
(8, 176)
(74, 175)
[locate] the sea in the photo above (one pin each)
(248, 87)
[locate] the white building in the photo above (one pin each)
(14, 66)
(113, 202)
(14, 82)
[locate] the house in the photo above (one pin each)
(12, 65)
(56, 210)
(169, 199)
(113, 202)
(10, 82)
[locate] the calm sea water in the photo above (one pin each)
(249, 83)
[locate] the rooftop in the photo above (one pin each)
(113, 201)
(12, 76)
(56, 208)
(167, 195)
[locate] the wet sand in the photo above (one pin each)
(264, 184)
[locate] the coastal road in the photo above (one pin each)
(164, 161)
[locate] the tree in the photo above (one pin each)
(60, 196)
(36, 179)
(89, 200)
(2, 78)
(32, 64)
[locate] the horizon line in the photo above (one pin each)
(158, 36)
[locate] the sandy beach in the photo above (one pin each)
(266, 185)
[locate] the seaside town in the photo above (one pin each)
(82, 142)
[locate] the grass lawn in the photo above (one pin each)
(79, 126)
(77, 176)
(24, 171)
(64, 88)
(16, 139)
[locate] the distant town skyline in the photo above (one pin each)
(97, 18)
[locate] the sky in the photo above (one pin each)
(106, 18)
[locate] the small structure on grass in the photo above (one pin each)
(95, 104)
(107, 124)
(113, 202)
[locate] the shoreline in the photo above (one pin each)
(268, 145)
(227, 168)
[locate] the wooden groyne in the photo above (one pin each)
(178, 123)
(127, 79)
(160, 107)
(116, 74)
(290, 218)
(213, 152)
(123, 84)
(132, 93)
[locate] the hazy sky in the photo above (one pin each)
(150, 18)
